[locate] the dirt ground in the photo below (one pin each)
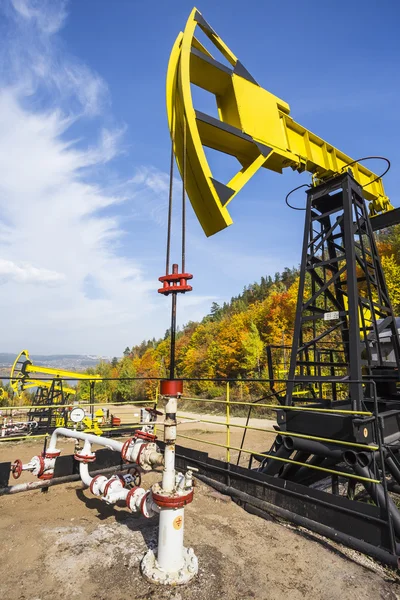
(66, 543)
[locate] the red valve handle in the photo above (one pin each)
(16, 468)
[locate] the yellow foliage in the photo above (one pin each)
(392, 274)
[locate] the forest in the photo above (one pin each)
(229, 342)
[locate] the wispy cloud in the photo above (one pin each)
(149, 188)
(54, 233)
(72, 278)
(48, 15)
(35, 62)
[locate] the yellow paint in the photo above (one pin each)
(366, 314)
(177, 522)
(228, 431)
(91, 426)
(33, 383)
(248, 109)
(23, 375)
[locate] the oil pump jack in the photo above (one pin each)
(336, 456)
(49, 393)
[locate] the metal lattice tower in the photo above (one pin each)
(343, 301)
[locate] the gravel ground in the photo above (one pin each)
(67, 544)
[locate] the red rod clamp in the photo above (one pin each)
(175, 282)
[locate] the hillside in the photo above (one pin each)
(230, 342)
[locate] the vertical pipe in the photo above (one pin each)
(168, 479)
(228, 432)
(170, 540)
(91, 400)
(171, 525)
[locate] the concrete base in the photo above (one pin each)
(153, 572)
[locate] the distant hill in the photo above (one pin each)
(68, 362)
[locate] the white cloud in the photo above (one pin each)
(33, 60)
(61, 226)
(26, 273)
(53, 233)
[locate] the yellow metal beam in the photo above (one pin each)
(23, 368)
(33, 383)
(59, 373)
(254, 126)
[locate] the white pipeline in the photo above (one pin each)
(84, 473)
(79, 435)
(37, 485)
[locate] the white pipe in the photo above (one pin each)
(168, 478)
(117, 496)
(114, 495)
(84, 473)
(37, 485)
(79, 435)
(170, 540)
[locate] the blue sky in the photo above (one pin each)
(85, 155)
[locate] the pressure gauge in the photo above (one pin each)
(77, 415)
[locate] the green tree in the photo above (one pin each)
(126, 388)
(253, 351)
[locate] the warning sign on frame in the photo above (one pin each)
(331, 316)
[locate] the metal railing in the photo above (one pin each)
(226, 422)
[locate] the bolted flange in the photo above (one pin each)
(175, 499)
(85, 458)
(153, 572)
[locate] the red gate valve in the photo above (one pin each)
(175, 283)
(16, 468)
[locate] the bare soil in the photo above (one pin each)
(67, 544)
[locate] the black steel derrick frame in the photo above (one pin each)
(339, 241)
(48, 398)
(341, 275)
